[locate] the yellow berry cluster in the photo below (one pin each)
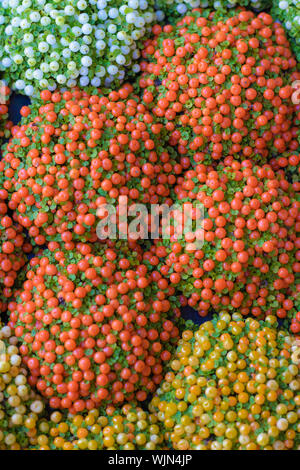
(128, 428)
(231, 385)
(20, 407)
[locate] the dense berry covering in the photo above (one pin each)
(126, 428)
(75, 152)
(13, 255)
(67, 43)
(95, 325)
(222, 85)
(288, 13)
(248, 258)
(233, 384)
(20, 407)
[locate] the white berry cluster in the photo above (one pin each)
(63, 43)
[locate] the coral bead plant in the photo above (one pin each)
(250, 253)
(232, 385)
(95, 325)
(5, 124)
(222, 85)
(74, 152)
(176, 8)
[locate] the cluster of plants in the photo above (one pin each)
(97, 43)
(95, 325)
(92, 328)
(233, 384)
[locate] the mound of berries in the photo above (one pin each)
(20, 407)
(222, 85)
(232, 385)
(13, 254)
(248, 257)
(76, 152)
(68, 43)
(94, 324)
(127, 428)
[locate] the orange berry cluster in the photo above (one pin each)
(222, 85)
(74, 152)
(250, 254)
(95, 325)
